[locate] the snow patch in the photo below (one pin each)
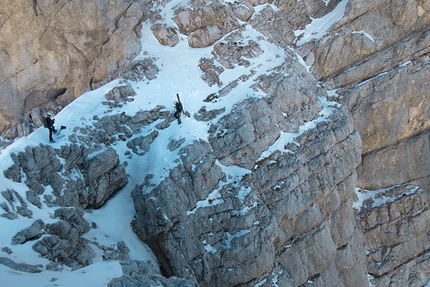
(285, 138)
(238, 234)
(365, 34)
(319, 27)
(376, 196)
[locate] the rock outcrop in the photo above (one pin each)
(380, 72)
(232, 212)
(83, 175)
(394, 223)
(383, 80)
(62, 244)
(40, 168)
(139, 273)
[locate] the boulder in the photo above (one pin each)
(35, 231)
(23, 267)
(104, 176)
(165, 35)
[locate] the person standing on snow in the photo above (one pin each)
(50, 125)
(178, 109)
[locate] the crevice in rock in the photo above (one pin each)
(165, 268)
(389, 65)
(396, 144)
(423, 253)
(35, 7)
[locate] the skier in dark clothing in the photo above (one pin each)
(50, 124)
(178, 109)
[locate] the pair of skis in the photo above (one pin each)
(183, 110)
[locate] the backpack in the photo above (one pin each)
(45, 122)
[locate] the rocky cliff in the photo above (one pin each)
(267, 196)
(53, 51)
(377, 59)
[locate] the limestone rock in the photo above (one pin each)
(17, 203)
(23, 267)
(374, 58)
(38, 163)
(404, 162)
(120, 95)
(33, 198)
(230, 214)
(165, 35)
(104, 176)
(243, 11)
(205, 23)
(140, 273)
(60, 51)
(395, 232)
(53, 248)
(36, 230)
(65, 243)
(381, 76)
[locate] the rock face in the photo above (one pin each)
(63, 47)
(228, 216)
(395, 230)
(139, 273)
(247, 206)
(206, 22)
(381, 74)
(63, 244)
(383, 80)
(40, 166)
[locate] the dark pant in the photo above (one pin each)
(178, 116)
(51, 130)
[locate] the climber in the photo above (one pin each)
(49, 123)
(178, 109)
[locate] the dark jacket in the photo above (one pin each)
(50, 122)
(178, 107)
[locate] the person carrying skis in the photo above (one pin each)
(178, 109)
(50, 125)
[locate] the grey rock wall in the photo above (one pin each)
(40, 167)
(288, 217)
(376, 58)
(52, 51)
(395, 230)
(381, 74)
